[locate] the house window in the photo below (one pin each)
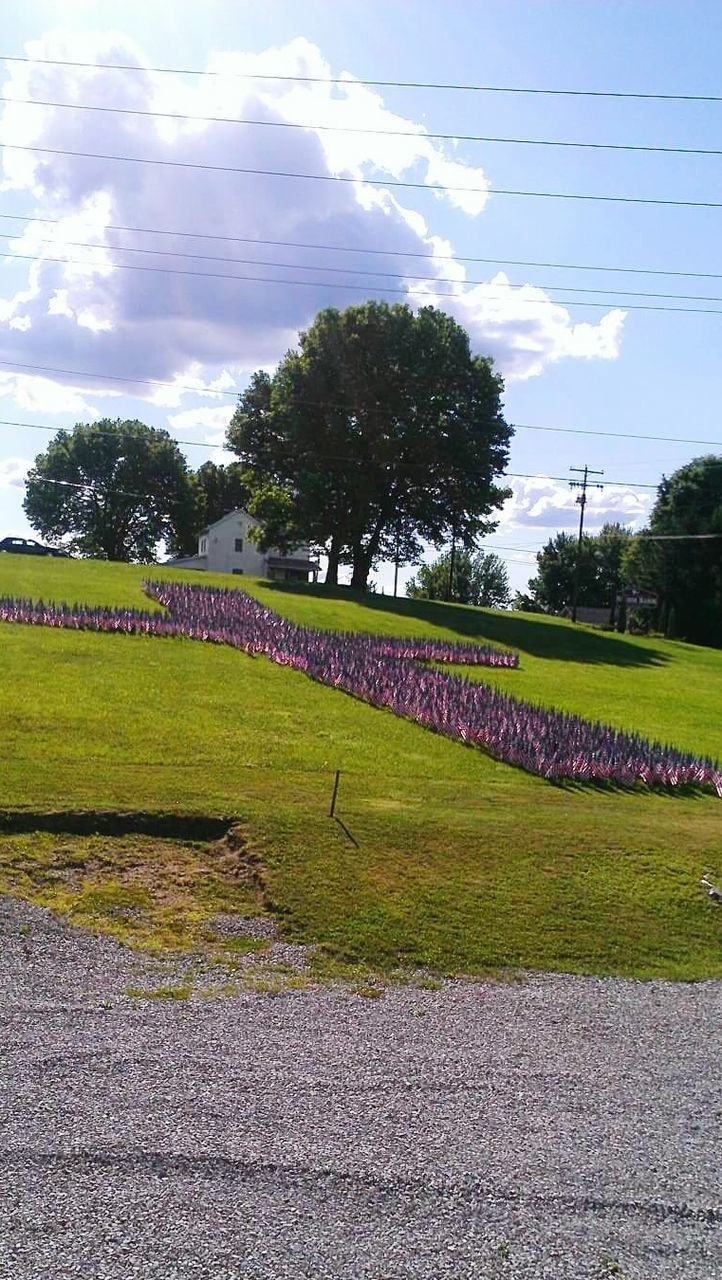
(203, 547)
(239, 544)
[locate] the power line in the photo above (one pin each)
(373, 182)
(322, 458)
(643, 537)
(392, 253)
(347, 82)
(420, 133)
(489, 547)
(612, 484)
(514, 475)
(40, 426)
(502, 555)
(110, 377)
(495, 546)
(517, 426)
(301, 266)
(71, 484)
(293, 266)
(422, 466)
(614, 435)
(330, 457)
(501, 291)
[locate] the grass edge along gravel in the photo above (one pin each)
(166, 900)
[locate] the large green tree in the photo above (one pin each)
(552, 587)
(601, 570)
(112, 490)
(380, 431)
(611, 546)
(680, 560)
(479, 579)
(215, 490)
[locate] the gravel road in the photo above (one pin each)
(557, 1127)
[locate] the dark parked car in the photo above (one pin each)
(29, 547)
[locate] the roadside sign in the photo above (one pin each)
(642, 599)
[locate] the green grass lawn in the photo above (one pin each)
(459, 863)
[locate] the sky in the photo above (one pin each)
(110, 268)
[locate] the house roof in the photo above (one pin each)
(589, 613)
(237, 511)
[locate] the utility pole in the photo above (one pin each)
(396, 561)
(586, 472)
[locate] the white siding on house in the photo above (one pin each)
(222, 555)
(225, 547)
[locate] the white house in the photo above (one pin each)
(225, 547)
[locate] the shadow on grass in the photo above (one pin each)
(176, 826)
(543, 637)
(602, 787)
(349, 834)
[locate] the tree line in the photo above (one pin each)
(380, 435)
(677, 558)
(114, 490)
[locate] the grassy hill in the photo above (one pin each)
(448, 859)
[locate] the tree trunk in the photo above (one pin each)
(331, 579)
(362, 558)
(664, 616)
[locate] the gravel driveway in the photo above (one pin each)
(557, 1127)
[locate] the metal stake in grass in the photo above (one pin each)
(332, 810)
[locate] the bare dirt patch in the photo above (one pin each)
(145, 891)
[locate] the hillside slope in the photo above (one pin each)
(664, 689)
(448, 858)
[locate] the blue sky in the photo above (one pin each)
(596, 369)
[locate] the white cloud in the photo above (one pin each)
(13, 472)
(83, 312)
(378, 142)
(546, 504)
(600, 341)
(530, 331)
(213, 421)
(468, 188)
(191, 382)
(42, 395)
